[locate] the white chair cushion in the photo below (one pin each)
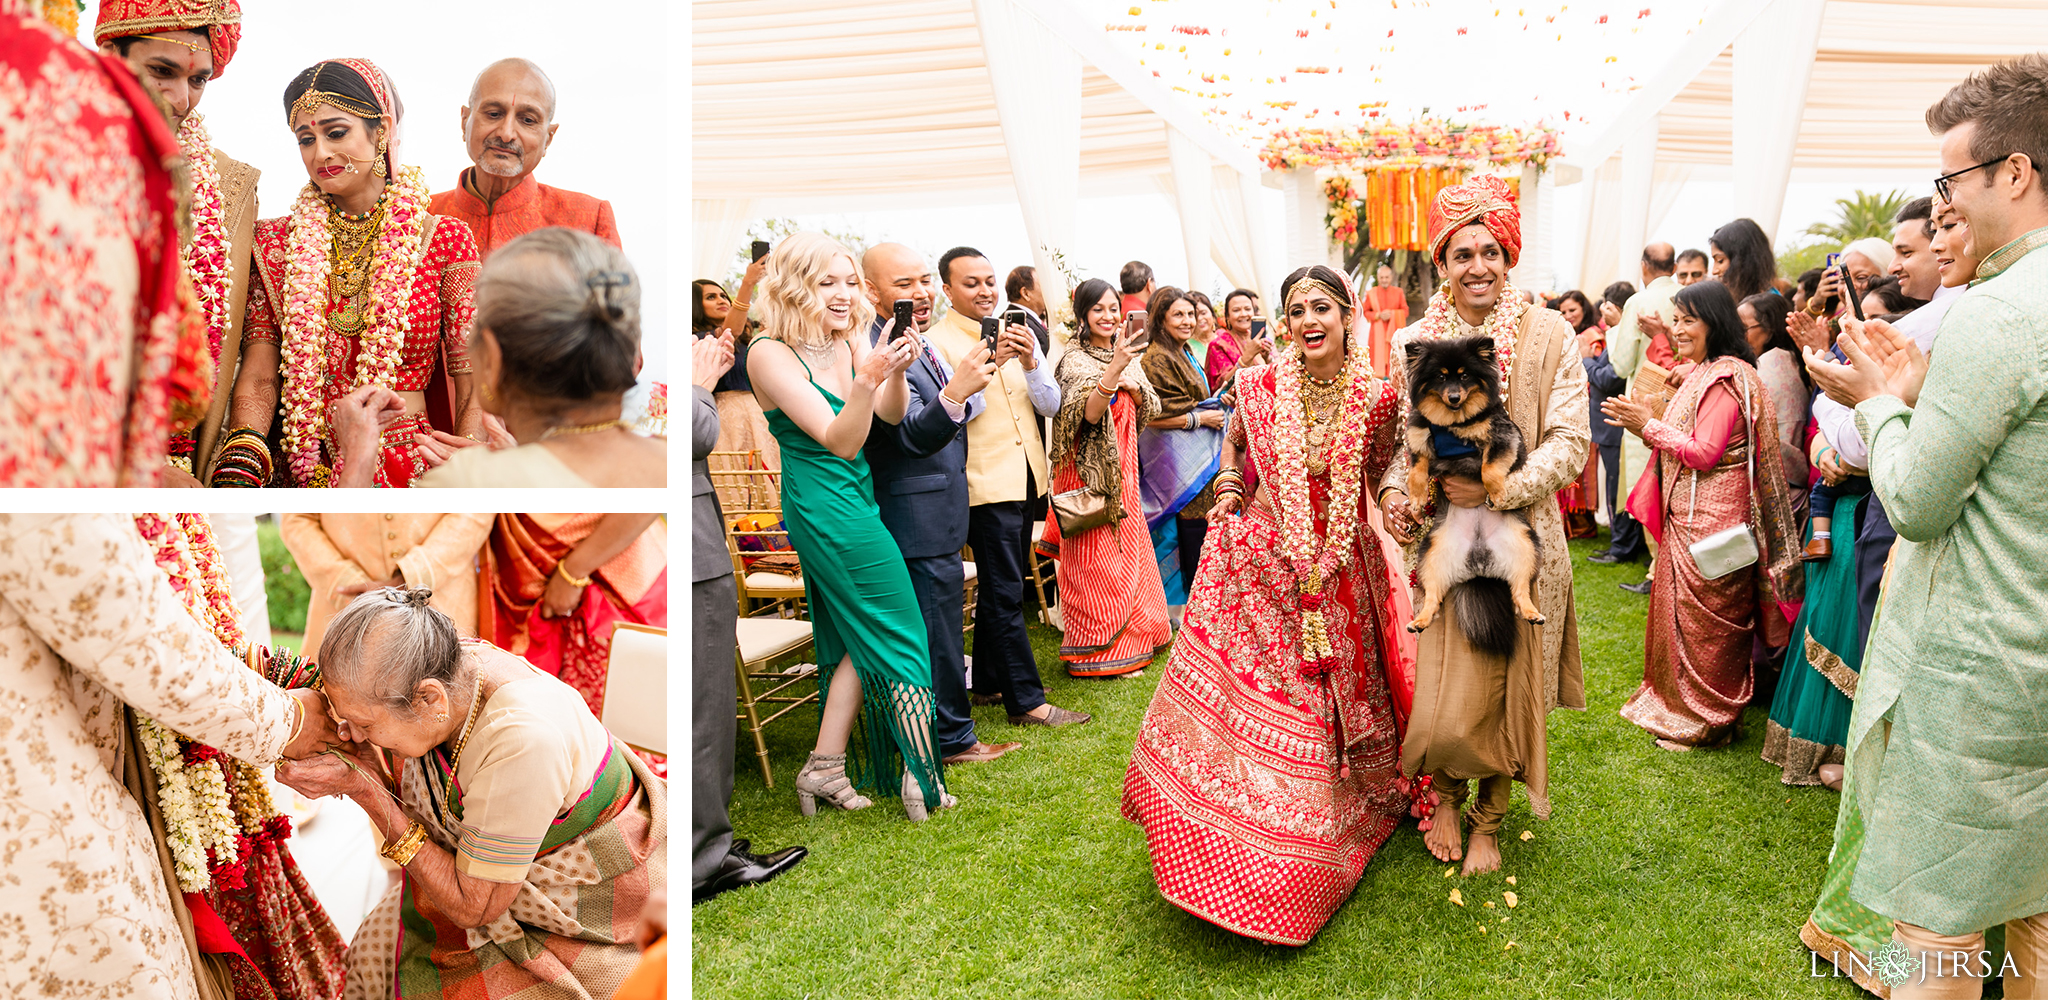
(968, 569)
(774, 581)
(636, 688)
(766, 638)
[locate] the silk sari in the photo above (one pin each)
(521, 555)
(569, 932)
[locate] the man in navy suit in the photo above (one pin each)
(1625, 536)
(920, 475)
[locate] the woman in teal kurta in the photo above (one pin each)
(820, 386)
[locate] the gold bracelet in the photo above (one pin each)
(562, 570)
(401, 851)
(300, 724)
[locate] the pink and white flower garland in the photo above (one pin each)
(206, 257)
(399, 251)
(1316, 564)
(1438, 321)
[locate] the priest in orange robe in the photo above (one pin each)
(1387, 306)
(509, 123)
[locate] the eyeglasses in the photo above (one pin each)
(1941, 183)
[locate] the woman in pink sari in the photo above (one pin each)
(1234, 346)
(559, 583)
(1706, 478)
(1266, 772)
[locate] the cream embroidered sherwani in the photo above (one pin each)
(1447, 732)
(422, 550)
(88, 629)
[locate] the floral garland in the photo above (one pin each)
(1298, 541)
(206, 257)
(654, 423)
(1431, 140)
(1501, 324)
(398, 254)
(1342, 218)
(210, 828)
(63, 15)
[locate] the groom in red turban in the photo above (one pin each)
(178, 48)
(1478, 715)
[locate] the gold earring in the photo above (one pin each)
(383, 143)
(490, 395)
(443, 717)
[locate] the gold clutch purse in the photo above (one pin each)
(1080, 510)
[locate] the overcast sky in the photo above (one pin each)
(605, 59)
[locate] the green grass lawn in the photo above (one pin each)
(1659, 874)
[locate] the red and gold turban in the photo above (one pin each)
(1485, 200)
(222, 20)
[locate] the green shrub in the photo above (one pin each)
(282, 583)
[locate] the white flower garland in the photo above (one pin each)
(175, 796)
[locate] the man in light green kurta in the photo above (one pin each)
(1628, 346)
(1948, 744)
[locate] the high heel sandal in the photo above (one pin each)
(825, 774)
(913, 799)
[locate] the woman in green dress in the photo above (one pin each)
(820, 385)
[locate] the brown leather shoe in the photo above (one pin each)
(981, 753)
(1818, 550)
(1056, 717)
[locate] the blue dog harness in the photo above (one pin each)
(1449, 445)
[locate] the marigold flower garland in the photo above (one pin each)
(210, 827)
(206, 258)
(398, 254)
(1316, 566)
(1501, 324)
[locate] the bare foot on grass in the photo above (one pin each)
(1482, 854)
(1446, 833)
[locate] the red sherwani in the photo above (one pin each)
(529, 206)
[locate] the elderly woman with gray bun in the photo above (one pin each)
(556, 349)
(529, 837)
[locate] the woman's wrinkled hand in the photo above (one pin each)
(327, 773)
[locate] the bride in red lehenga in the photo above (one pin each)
(1266, 773)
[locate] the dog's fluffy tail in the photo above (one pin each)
(1486, 612)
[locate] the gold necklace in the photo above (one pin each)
(351, 252)
(603, 425)
(468, 724)
(1319, 403)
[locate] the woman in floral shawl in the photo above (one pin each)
(1266, 773)
(1703, 632)
(1112, 605)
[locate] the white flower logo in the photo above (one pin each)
(1896, 965)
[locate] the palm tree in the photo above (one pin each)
(1863, 214)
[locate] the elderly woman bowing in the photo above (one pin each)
(529, 836)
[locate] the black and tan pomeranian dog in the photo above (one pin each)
(1484, 559)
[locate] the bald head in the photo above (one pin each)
(893, 271)
(508, 123)
(1659, 259)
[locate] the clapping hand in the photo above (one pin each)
(1655, 328)
(710, 359)
(1625, 413)
(1807, 331)
(1882, 362)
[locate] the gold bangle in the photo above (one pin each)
(401, 851)
(299, 724)
(562, 570)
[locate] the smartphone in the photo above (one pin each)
(904, 320)
(1015, 314)
(1134, 326)
(991, 331)
(1258, 328)
(760, 250)
(1834, 262)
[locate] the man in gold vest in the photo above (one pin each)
(178, 48)
(1480, 715)
(1006, 471)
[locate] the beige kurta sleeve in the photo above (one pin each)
(320, 562)
(448, 552)
(1559, 454)
(88, 585)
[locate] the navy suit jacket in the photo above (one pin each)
(920, 469)
(1602, 382)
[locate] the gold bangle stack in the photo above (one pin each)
(401, 851)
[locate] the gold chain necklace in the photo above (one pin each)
(1319, 403)
(468, 724)
(602, 425)
(351, 253)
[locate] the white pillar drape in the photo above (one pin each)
(1231, 240)
(1308, 242)
(1638, 172)
(1037, 83)
(1773, 65)
(1534, 271)
(1194, 188)
(1599, 257)
(717, 227)
(1267, 265)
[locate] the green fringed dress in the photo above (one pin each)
(861, 604)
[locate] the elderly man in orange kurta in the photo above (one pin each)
(509, 123)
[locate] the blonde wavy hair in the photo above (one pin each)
(792, 311)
